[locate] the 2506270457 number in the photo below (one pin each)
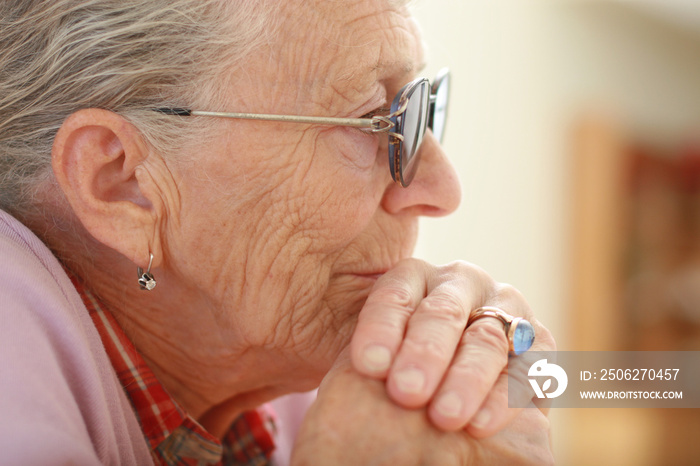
(639, 374)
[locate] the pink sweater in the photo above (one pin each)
(60, 400)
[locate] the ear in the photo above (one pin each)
(98, 158)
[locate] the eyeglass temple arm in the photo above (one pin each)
(376, 124)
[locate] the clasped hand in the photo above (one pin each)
(412, 334)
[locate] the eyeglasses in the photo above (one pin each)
(417, 106)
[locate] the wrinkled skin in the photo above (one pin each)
(270, 239)
(354, 422)
(275, 232)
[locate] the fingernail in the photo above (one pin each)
(410, 380)
(376, 358)
(449, 405)
(481, 419)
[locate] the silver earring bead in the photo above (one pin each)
(146, 279)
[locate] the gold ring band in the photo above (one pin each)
(519, 332)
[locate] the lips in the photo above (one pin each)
(372, 267)
(373, 276)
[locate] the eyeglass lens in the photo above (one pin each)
(419, 114)
(415, 120)
(439, 107)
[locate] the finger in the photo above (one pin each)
(382, 322)
(512, 391)
(433, 334)
(494, 414)
(526, 440)
(435, 330)
(477, 365)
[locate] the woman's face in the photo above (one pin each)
(282, 228)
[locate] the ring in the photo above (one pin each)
(519, 332)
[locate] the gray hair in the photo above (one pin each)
(128, 56)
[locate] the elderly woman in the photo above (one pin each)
(166, 271)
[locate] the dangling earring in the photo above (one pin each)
(146, 279)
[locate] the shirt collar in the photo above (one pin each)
(173, 436)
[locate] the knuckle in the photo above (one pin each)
(511, 300)
(475, 277)
(394, 294)
(462, 268)
(431, 348)
(509, 293)
(489, 334)
(445, 306)
(380, 324)
(481, 370)
(478, 374)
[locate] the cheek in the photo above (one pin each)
(351, 173)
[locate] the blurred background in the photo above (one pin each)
(575, 128)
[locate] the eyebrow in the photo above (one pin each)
(403, 66)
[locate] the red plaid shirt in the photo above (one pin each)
(174, 437)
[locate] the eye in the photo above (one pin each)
(376, 112)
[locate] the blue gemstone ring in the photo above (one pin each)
(519, 332)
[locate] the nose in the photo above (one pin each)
(435, 190)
